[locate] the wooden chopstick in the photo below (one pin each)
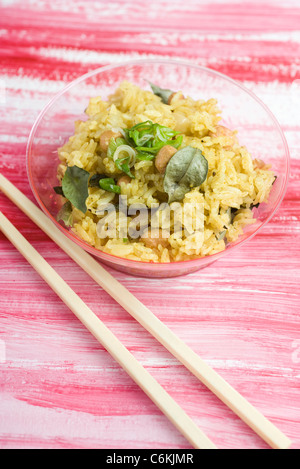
(109, 341)
(226, 393)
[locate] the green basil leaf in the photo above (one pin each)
(75, 186)
(65, 214)
(186, 169)
(164, 94)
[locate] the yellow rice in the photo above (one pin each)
(234, 179)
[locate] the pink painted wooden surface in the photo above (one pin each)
(59, 388)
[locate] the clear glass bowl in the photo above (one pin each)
(257, 129)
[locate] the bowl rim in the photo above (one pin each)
(111, 258)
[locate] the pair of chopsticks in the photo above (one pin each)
(237, 403)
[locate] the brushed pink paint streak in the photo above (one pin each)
(59, 388)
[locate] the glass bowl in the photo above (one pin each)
(257, 129)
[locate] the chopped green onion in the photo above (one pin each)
(114, 144)
(108, 184)
(144, 156)
(155, 149)
(142, 142)
(163, 133)
(123, 165)
(177, 142)
(149, 137)
(125, 151)
(163, 93)
(142, 125)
